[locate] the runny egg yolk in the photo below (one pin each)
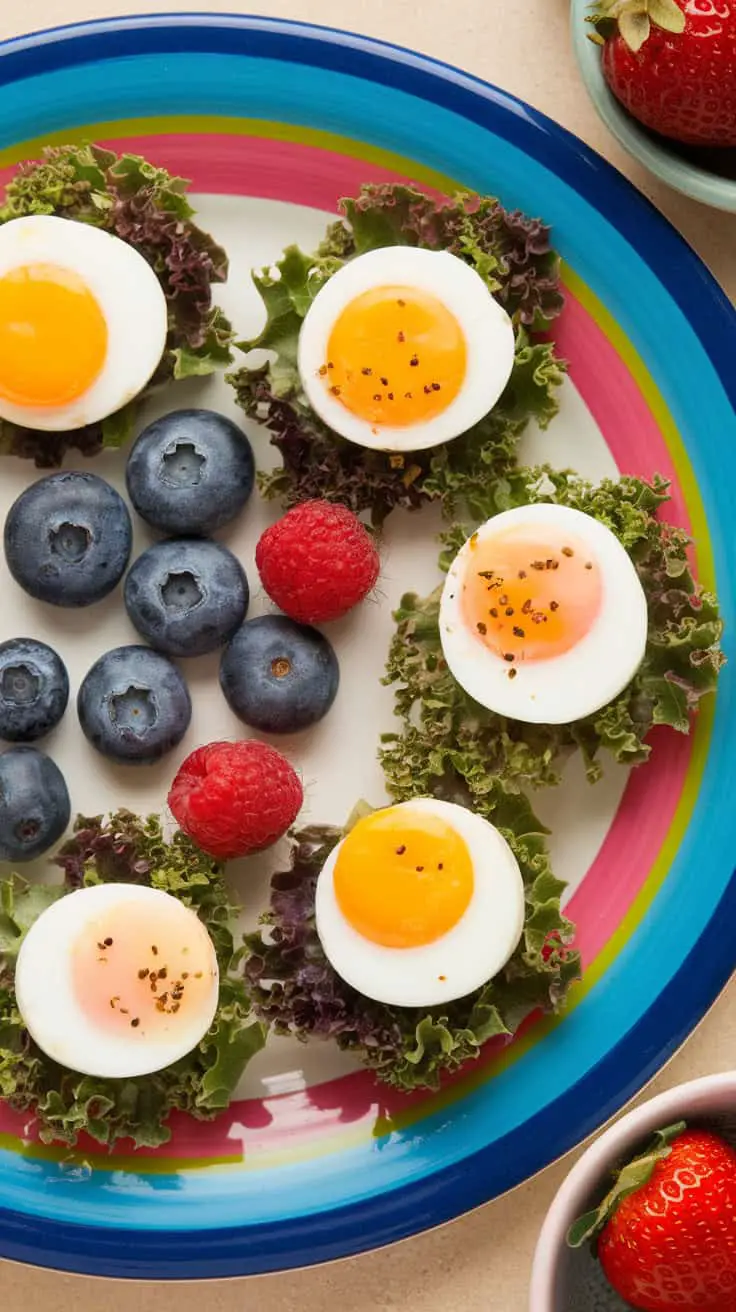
(53, 336)
(396, 356)
(403, 879)
(135, 971)
(530, 594)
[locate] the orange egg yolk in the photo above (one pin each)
(142, 971)
(53, 336)
(396, 356)
(530, 593)
(403, 878)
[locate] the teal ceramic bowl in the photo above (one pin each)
(663, 160)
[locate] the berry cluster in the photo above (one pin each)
(68, 541)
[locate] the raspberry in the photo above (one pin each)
(317, 562)
(235, 798)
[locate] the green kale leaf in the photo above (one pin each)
(444, 730)
(21, 904)
(148, 208)
(511, 252)
(515, 259)
(63, 1103)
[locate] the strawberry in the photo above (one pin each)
(666, 1233)
(672, 64)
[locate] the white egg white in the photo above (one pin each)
(488, 331)
(48, 1003)
(463, 959)
(129, 295)
(578, 682)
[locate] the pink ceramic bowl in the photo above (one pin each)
(571, 1281)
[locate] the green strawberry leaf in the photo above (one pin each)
(627, 1181)
(633, 19)
(667, 15)
(634, 27)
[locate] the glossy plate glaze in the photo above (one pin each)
(273, 122)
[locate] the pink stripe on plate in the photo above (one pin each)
(253, 166)
(299, 174)
(631, 845)
(616, 403)
(651, 796)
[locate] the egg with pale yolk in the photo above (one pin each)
(404, 348)
(83, 323)
(117, 980)
(543, 617)
(420, 903)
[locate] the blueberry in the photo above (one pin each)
(190, 472)
(134, 705)
(186, 596)
(34, 689)
(279, 676)
(34, 804)
(68, 539)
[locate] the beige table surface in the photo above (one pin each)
(480, 1263)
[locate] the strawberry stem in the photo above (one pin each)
(633, 19)
(626, 1181)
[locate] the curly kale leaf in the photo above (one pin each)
(512, 253)
(513, 256)
(148, 208)
(21, 904)
(445, 730)
(296, 991)
(63, 1103)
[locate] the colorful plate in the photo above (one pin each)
(318, 1163)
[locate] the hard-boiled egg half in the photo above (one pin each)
(404, 348)
(420, 903)
(83, 323)
(543, 617)
(117, 980)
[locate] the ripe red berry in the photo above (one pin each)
(672, 1243)
(235, 798)
(666, 1231)
(317, 562)
(672, 64)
